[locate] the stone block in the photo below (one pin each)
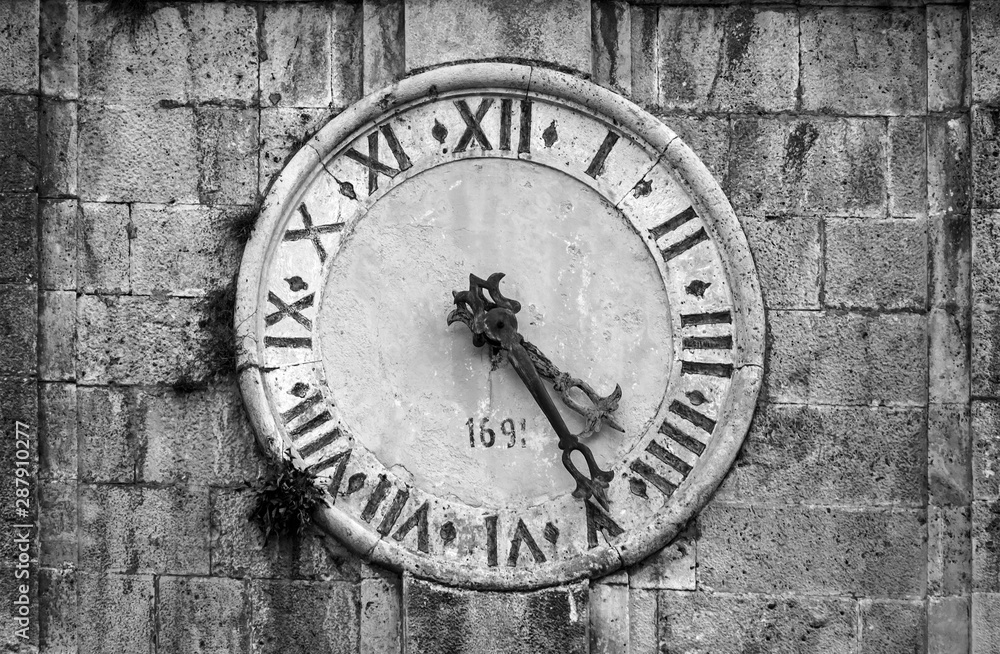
(986, 546)
(986, 449)
(985, 352)
(986, 157)
(139, 154)
(907, 168)
(709, 622)
(846, 358)
(672, 567)
(202, 615)
(223, 51)
(57, 611)
(984, 38)
(279, 624)
(57, 451)
(18, 327)
(708, 136)
(18, 241)
(985, 623)
(143, 529)
(141, 340)
(812, 550)
(949, 553)
(947, 625)
(183, 250)
(947, 69)
(809, 166)
(728, 59)
(347, 61)
(56, 336)
(950, 243)
(444, 619)
(297, 40)
(58, 244)
(19, 46)
(876, 264)
(227, 155)
(282, 132)
(385, 34)
(948, 355)
(609, 618)
(949, 184)
(892, 627)
(59, 24)
(831, 455)
(986, 259)
(644, 23)
(238, 548)
(949, 455)
(642, 622)
(381, 619)
(788, 256)
(58, 148)
(57, 533)
(880, 72)
(102, 256)
(438, 31)
(18, 142)
(611, 30)
(116, 613)
(106, 438)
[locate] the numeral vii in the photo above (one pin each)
(703, 344)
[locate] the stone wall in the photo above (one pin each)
(859, 145)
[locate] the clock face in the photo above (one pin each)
(630, 270)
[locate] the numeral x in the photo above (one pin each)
(312, 232)
(292, 310)
(472, 124)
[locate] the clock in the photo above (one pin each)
(612, 347)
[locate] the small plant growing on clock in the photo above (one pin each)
(285, 500)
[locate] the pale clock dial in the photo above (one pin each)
(628, 267)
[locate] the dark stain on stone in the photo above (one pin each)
(300, 389)
(607, 31)
(797, 146)
(738, 30)
(697, 288)
(550, 135)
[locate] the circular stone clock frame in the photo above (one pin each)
(259, 308)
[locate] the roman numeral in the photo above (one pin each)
(340, 460)
(506, 120)
(418, 520)
(310, 425)
(521, 534)
(392, 514)
(596, 166)
(293, 311)
(598, 519)
(375, 499)
(650, 474)
(372, 162)
(714, 318)
(682, 439)
(473, 127)
(491, 540)
(686, 243)
(693, 416)
(716, 342)
(312, 232)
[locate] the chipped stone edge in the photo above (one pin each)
(712, 206)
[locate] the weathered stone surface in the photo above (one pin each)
(141, 529)
(19, 46)
(788, 257)
(875, 264)
(880, 72)
(141, 340)
(443, 619)
(949, 553)
(202, 615)
(57, 532)
(58, 244)
(831, 455)
(949, 455)
(18, 243)
(986, 259)
(907, 168)
(139, 154)
(18, 327)
(384, 36)
(609, 618)
(947, 625)
(381, 618)
(438, 31)
(947, 78)
(986, 449)
(892, 627)
(708, 137)
(282, 132)
(642, 621)
(116, 613)
(708, 622)
(279, 624)
(986, 546)
(57, 451)
(102, 258)
(186, 250)
(985, 623)
(986, 157)
(611, 30)
(950, 243)
(984, 38)
(846, 358)
(948, 166)
(731, 59)
(811, 166)
(872, 552)
(223, 51)
(57, 335)
(108, 444)
(672, 567)
(22, 593)
(227, 155)
(57, 611)
(297, 39)
(644, 21)
(238, 548)
(985, 352)
(57, 48)
(18, 143)
(58, 149)
(347, 60)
